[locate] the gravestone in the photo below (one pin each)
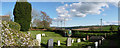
(100, 42)
(69, 41)
(78, 40)
(50, 43)
(58, 42)
(103, 38)
(96, 44)
(72, 40)
(43, 34)
(89, 47)
(87, 37)
(96, 38)
(38, 38)
(84, 39)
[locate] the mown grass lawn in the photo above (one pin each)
(55, 37)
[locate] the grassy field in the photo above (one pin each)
(107, 28)
(56, 37)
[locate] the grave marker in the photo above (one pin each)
(84, 39)
(50, 43)
(89, 47)
(69, 41)
(58, 42)
(96, 44)
(43, 34)
(78, 40)
(38, 37)
(72, 40)
(100, 42)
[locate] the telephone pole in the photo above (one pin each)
(101, 24)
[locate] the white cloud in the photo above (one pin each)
(61, 19)
(80, 9)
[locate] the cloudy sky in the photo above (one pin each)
(74, 13)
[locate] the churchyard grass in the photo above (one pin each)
(55, 37)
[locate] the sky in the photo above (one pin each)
(74, 13)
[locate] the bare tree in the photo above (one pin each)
(46, 20)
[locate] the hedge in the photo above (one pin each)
(14, 25)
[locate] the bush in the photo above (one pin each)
(14, 25)
(12, 37)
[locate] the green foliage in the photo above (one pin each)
(14, 25)
(22, 15)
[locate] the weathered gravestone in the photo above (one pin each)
(89, 47)
(100, 42)
(87, 37)
(72, 40)
(69, 41)
(58, 42)
(78, 40)
(38, 38)
(50, 43)
(96, 38)
(43, 34)
(84, 39)
(96, 44)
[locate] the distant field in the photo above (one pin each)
(107, 28)
(96, 28)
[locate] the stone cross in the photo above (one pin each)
(50, 43)
(69, 41)
(38, 37)
(58, 42)
(78, 40)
